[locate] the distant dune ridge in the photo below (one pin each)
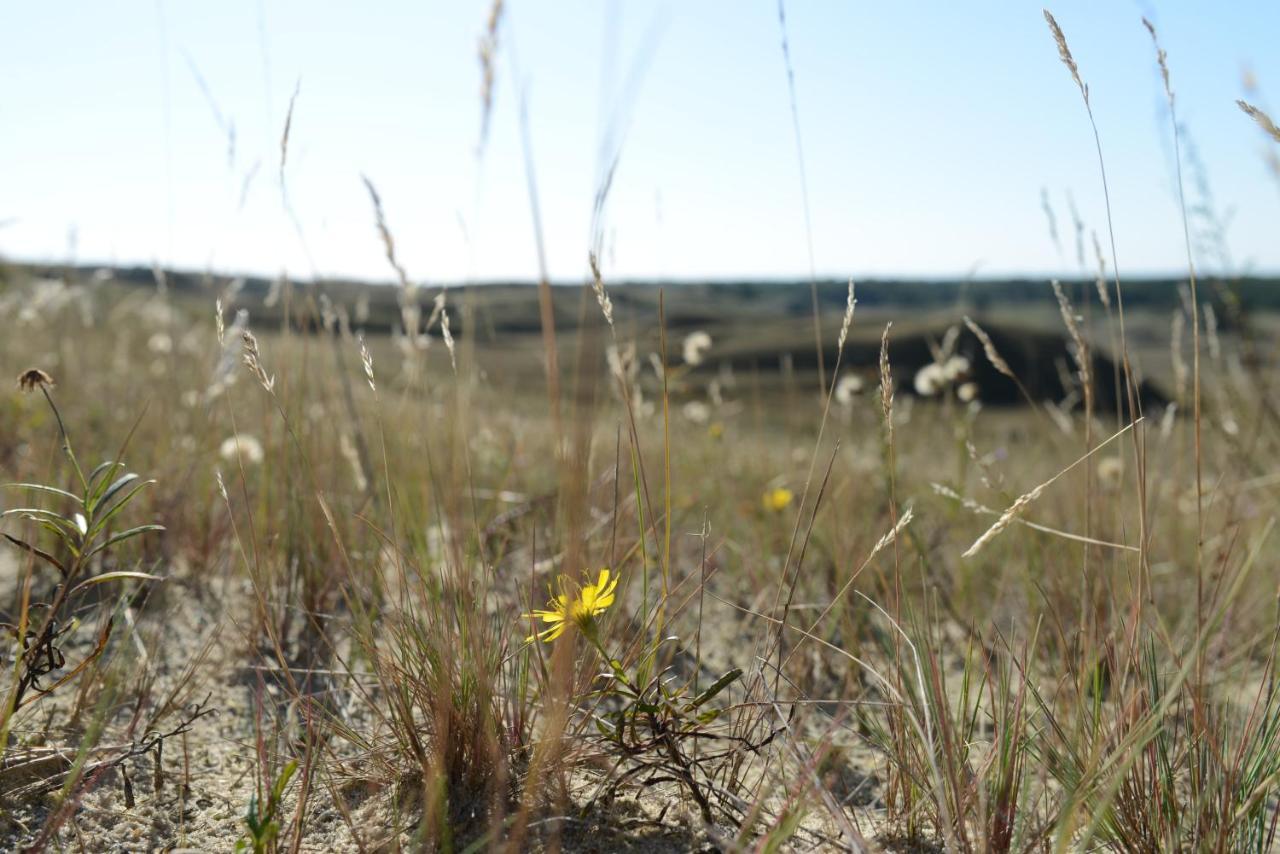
(762, 325)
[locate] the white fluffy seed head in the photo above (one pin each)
(242, 448)
(695, 346)
(849, 387)
(697, 412)
(930, 380)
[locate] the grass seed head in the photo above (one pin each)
(597, 285)
(850, 303)
(1263, 120)
(367, 361)
(253, 359)
(1064, 53)
(448, 339)
(989, 348)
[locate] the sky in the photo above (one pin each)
(150, 133)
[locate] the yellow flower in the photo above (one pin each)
(778, 499)
(580, 609)
(716, 430)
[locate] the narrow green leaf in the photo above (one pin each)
(59, 523)
(40, 487)
(277, 791)
(123, 535)
(111, 491)
(103, 467)
(113, 576)
(100, 523)
(719, 685)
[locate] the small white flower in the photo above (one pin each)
(930, 380)
(850, 385)
(697, 412)
(967, 392)
(244, 448)
(955, 368)
(160, 343)
(1110, 471)
(695, 346)
(82, 524)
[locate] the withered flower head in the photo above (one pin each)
(34, 378)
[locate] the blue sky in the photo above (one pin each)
(928, 132)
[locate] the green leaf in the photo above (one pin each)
(59, 524)
(114, 576)
(111, 492)
(40, 487)
(719, 685)
(101, 523)
(38, 513)
(123, 535)
(99, 480)
(67, 538)
(102, 469)
(277, 791)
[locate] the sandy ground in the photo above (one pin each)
(198, 799)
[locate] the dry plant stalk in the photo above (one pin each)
(1180, 372)
(367, 360)
(602, 296)
(388, 242)
(1081, 354)
(886, 381)
(1026, 499)
(1264, 121)
(1161, 59)
(1064, 53)
(253, 359)
(448, 339)
(487, 52)
(1104, 292)
(851, 302)
(284, 135)
(988, 347)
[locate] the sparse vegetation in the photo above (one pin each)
(1003, 586)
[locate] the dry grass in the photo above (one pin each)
(350, 541)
